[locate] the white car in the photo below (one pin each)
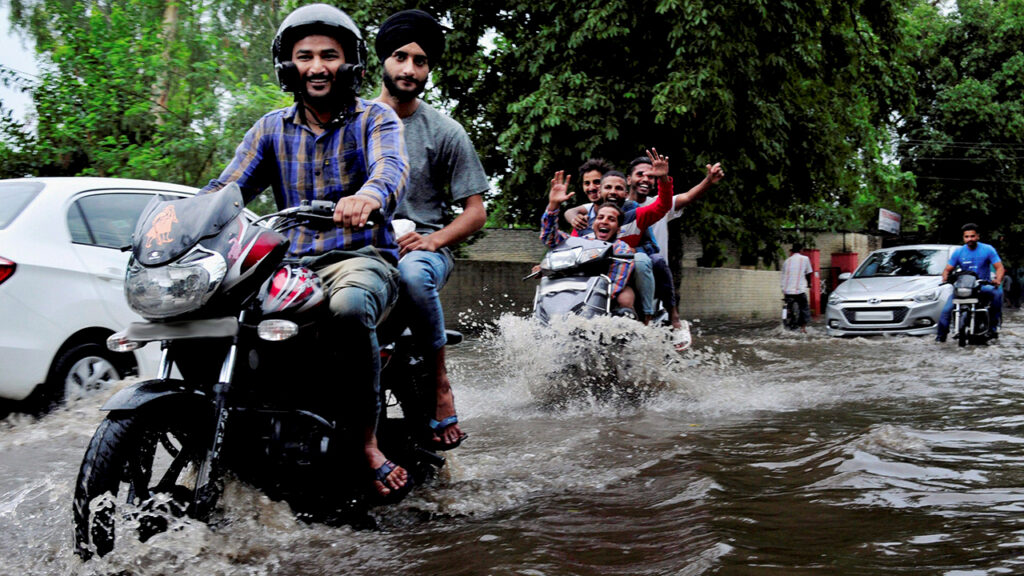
(895, 290)
(62, 268)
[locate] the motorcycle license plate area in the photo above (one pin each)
(874, 316)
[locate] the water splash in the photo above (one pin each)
(576, 363)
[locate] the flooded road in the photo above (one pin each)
(756, 452)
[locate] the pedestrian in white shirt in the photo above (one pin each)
(796, 277)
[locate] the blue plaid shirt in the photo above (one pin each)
(367, 156)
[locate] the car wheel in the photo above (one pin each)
(83, 370)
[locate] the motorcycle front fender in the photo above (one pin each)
(149, 391)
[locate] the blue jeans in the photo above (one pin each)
(643, 279)
(423, 274)
(362, 290)
(997, 309)
(664, 287)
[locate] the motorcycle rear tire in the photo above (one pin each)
(137, 455)
(961, 333)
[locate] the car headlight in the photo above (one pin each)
(834, 299)
(174, 289)
(928, 295)
(561, 259)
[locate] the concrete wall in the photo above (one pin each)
(480, 291)
(488, 282)
(830, 243)
(730, 293)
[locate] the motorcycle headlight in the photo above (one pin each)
(928, 295)
(174, 289)
(962, 292)
(561, 259)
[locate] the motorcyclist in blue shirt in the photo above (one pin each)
(981, 259)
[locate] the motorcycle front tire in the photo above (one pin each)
(134, 456)
(961, 332)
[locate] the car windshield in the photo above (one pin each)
(14, 196)
(919, 262)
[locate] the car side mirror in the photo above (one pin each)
(845, 276)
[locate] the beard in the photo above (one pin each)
(341, 91)
(400, 94)
(326, 101)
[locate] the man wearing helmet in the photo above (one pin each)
(444, 168)
(332, 145)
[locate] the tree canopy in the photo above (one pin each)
(964, 140)
(821, 111)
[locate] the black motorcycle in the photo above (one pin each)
(248, 331)
(971, 320)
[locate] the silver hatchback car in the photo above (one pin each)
(894, 291)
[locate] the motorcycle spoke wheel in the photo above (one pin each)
(139, 470)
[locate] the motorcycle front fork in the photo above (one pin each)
(210, 476)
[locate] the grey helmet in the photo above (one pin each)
(328, 21)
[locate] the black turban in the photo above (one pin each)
(410, 26)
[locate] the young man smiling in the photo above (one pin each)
(444, 168)
(607, 221)
(332, 145)
(655, 243)
(635, 222)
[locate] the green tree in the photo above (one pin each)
(155, 89)
(793, 97)
(964, 140)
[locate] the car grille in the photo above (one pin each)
(898, 314)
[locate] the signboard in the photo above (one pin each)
(888, 221)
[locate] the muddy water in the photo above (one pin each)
(756, 452)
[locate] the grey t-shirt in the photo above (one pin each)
(441, 158)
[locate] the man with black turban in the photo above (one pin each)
(444, 169)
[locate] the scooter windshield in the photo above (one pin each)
(169, 228)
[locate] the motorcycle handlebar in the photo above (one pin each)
(316, 214)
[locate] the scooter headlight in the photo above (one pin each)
(590, 254)
(561, 259)
(174, 289)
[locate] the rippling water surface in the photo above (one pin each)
(597, 450)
